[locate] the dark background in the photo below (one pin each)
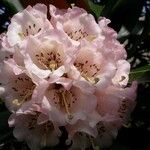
(132, 17)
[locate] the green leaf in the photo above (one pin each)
(14, 5)
(123, 12)
(95, 8)
(140, 74)
(117, 5)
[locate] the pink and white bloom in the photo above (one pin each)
(91, 67)
(84, 136)
(114, 105)
(116, 101)
(48, 56)
(72, 105)
(29, 128)
(21, 86)
(31, 21)
(81, 135)
(76, 23)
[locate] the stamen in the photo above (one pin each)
(41, 60)
(27, 95)
(66, 106)
(42, 63)
(85, 74)
(77, 34)
(49, 61)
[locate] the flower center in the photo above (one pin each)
(29, 30)
(50, 60)
(63, 98)
(88, 71)
(79, 34)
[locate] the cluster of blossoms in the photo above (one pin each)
(69, 71)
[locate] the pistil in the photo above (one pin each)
(53, 65)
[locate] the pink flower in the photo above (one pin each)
(20, 87)
(31, 21)
(112, 99)
(48, 56)
(76, 23)
(72, 104)
(92, 67)
(29, 128)
(81, 135)
(84, 136)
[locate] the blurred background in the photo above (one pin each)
(131, 20)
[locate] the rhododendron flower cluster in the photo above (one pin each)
(67, 71)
